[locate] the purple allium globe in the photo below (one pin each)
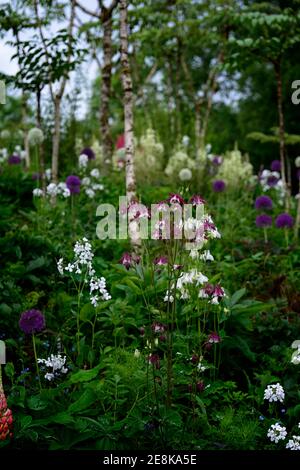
(263, 202)
(276, 165)
(14, 159)
(217, 160)
(73, 184)
(32, 321)
(263, 221)
(284, 221)
(219, 186)
(88, 152)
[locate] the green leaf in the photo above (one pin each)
(86, 399)
(10, 370)
(87, 312)
(35, 264)
(36, 403)
(85, 375)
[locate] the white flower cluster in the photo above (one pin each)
(192, 277)
(293, 444)
(277, 433)
(90, 185)
(265, 180)
(185, 174)
(83, 161)
(53, 190)
(274, 393)
(296, 354)
(83, 264)
(56, 364)
(235, 169)
(17, 151)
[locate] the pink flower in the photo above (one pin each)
(160, 260)
(126, 260)
(197, 200)
(213, 338)
(120, 142)
(175, 199)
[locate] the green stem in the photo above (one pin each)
(36, 361)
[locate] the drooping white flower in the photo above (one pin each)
(207, 256)
(95, 173)
(83, 160)
(60, 266)
(274, 393)
(38, 192)
(277, 433)
(56, 364)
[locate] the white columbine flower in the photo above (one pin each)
(60, 266)
(207, 256)
(90, 193)
(38, 192)
(86, 181)
(277, 433)
(48, 173)
(95, 173)
(83, 160)
(274, 393)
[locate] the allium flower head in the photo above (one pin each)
(185, 174)
(32, 321)
(263, 221)
(217, 160)
(277, 433)
(284, 221)
(272, 180)
(274, 393)
(88, 152)
(73, 184)
(276, 166)
(219, 186)
(14, 160)
(35, 136)
(263, 202)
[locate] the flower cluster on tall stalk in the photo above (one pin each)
(192, 299)
(85, 280)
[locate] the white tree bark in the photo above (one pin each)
(128, 105)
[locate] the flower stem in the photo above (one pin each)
(36, 361)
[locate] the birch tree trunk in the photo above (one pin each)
(277, 68)
(128, 105)
(26, 143)
(56, 138)
(107, 144)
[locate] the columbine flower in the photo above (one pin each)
(284, 221)
(219, 186)
(276, 166)
(263, 221)
(38, 192)
(154, 359)
(213, 338)
(160, 260)
(175, 199)
(274, 393)
(56, 364)
(32, 321)
(83, 160)
(60, 266)
(197, 200)
(90, 193)
(14, 160)
(277, 433)
(95, 173)
(35, 136)
(88, 152)
(48, 173)
(126, 260)
(185, 174)
(297, 162)
(263, 202)
(293, 444)
(158, 327)
(207, 256)
(73, 183)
